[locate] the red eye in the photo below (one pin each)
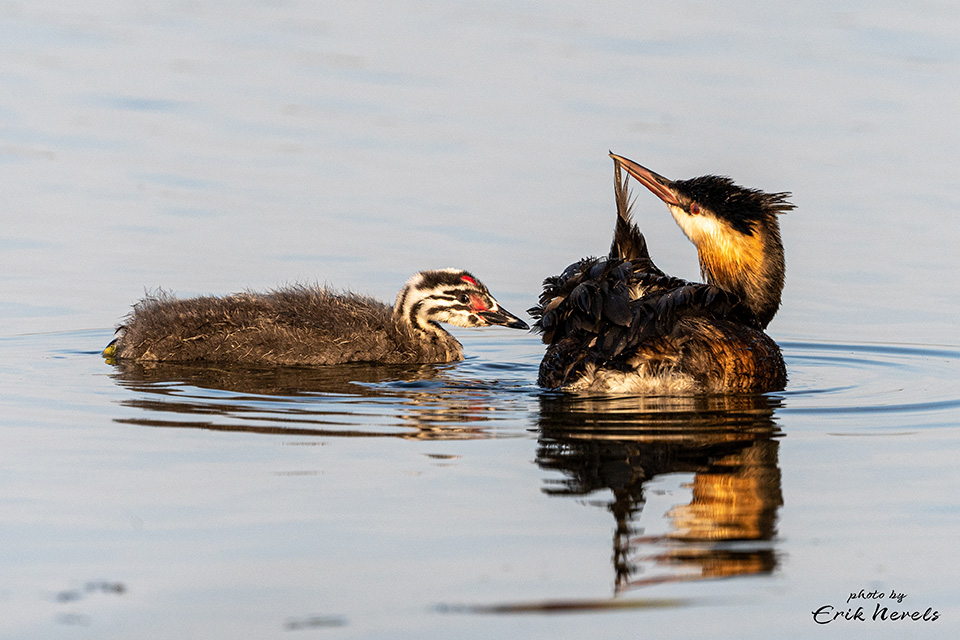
(694, 209)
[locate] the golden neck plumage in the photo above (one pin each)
(750, 265)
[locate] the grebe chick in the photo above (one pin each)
(620, 325)
(303, 325)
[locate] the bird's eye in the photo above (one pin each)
(694, 209)
(464, 298)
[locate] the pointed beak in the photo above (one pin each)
(504, 318)
(659, 185)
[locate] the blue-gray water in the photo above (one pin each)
(217, 147)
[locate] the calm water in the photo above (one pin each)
(210, 148)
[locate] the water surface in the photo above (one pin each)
(208, 148)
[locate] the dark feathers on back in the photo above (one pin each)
(588, 319)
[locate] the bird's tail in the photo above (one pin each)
(628, 241)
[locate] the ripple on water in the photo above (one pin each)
(872, 380)
(866, 386)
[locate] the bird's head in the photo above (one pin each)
(735, 230)
(452, 296)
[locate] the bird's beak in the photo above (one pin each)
(659, 185)
(504, 318)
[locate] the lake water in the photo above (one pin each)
(218, 147)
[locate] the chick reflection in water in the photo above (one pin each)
(729, 445)
(348, 400)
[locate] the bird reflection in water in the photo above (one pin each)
(728, 443)
(358, 400)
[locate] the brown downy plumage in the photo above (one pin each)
(303, 325)
(619, 324)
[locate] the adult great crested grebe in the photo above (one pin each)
(303, 325)
(620, 325)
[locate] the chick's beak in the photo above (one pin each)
(503, 317)
(659, 185)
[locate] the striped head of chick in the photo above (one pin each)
(451, 296)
